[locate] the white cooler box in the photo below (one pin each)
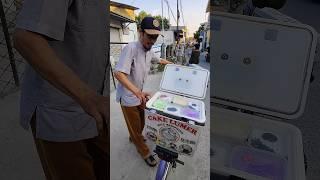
(174, 115)
(261, 72)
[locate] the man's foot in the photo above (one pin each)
(151, 161)
(144, 139)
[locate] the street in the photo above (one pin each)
(18, 156)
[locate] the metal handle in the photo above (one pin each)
(180, 162)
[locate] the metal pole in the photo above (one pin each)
(168, 11)
(163, 50)
(8, 42)
(178, 34)
(114, 82)
(162, 16)
(178, 22)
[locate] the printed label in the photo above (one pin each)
(171, 134)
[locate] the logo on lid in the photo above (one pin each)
(156, 23)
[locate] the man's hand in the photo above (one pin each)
(143, 96)
(96, 106)
(165, 62)
(123, 79)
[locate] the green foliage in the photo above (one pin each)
(140, 16)
(197, 33)
(166, 23)
(144, 14)
(161, 67)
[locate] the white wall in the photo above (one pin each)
(168, 38)
(130, 33)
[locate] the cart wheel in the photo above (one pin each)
(161, 171)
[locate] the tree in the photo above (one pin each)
(166, 23)
(196, 35)
(144, 14)
(140, 16)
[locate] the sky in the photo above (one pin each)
(194, 11)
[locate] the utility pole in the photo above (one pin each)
(178, 16)
(178, 50)
(162, 17)
(163, 47)
(168, 10)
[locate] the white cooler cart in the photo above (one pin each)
(261, 72)
(174, 115)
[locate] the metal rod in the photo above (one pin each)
(8, 42)
(178, 21)
(166, 171)
(114, 82)
(168, 11)
(118, 43)
(162, 15)
(162, 46)
(162, 21)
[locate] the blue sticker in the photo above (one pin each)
(271, 35)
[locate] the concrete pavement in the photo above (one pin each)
(18, 157)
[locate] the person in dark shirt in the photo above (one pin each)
(194, 59)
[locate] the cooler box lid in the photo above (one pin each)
(184, 80)
(261, 65)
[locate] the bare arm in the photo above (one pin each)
(164, 61)
(123, 79)
(37, 52)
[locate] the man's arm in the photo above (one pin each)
(164, 61)
(37, 52)
(123, 79)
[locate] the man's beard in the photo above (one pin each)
(147, 49)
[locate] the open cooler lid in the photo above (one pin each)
(185, 80)
(261, 65)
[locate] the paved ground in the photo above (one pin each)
(18, 158)
(126, 162)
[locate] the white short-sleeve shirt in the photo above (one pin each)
(134, 61)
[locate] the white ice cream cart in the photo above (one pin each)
(261, 72)
(175, 114)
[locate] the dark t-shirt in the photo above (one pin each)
(194, 59)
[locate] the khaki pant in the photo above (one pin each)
(134, 117)
(79, 160)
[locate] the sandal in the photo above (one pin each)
(151, 161)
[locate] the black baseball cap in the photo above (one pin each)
(150, 25)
